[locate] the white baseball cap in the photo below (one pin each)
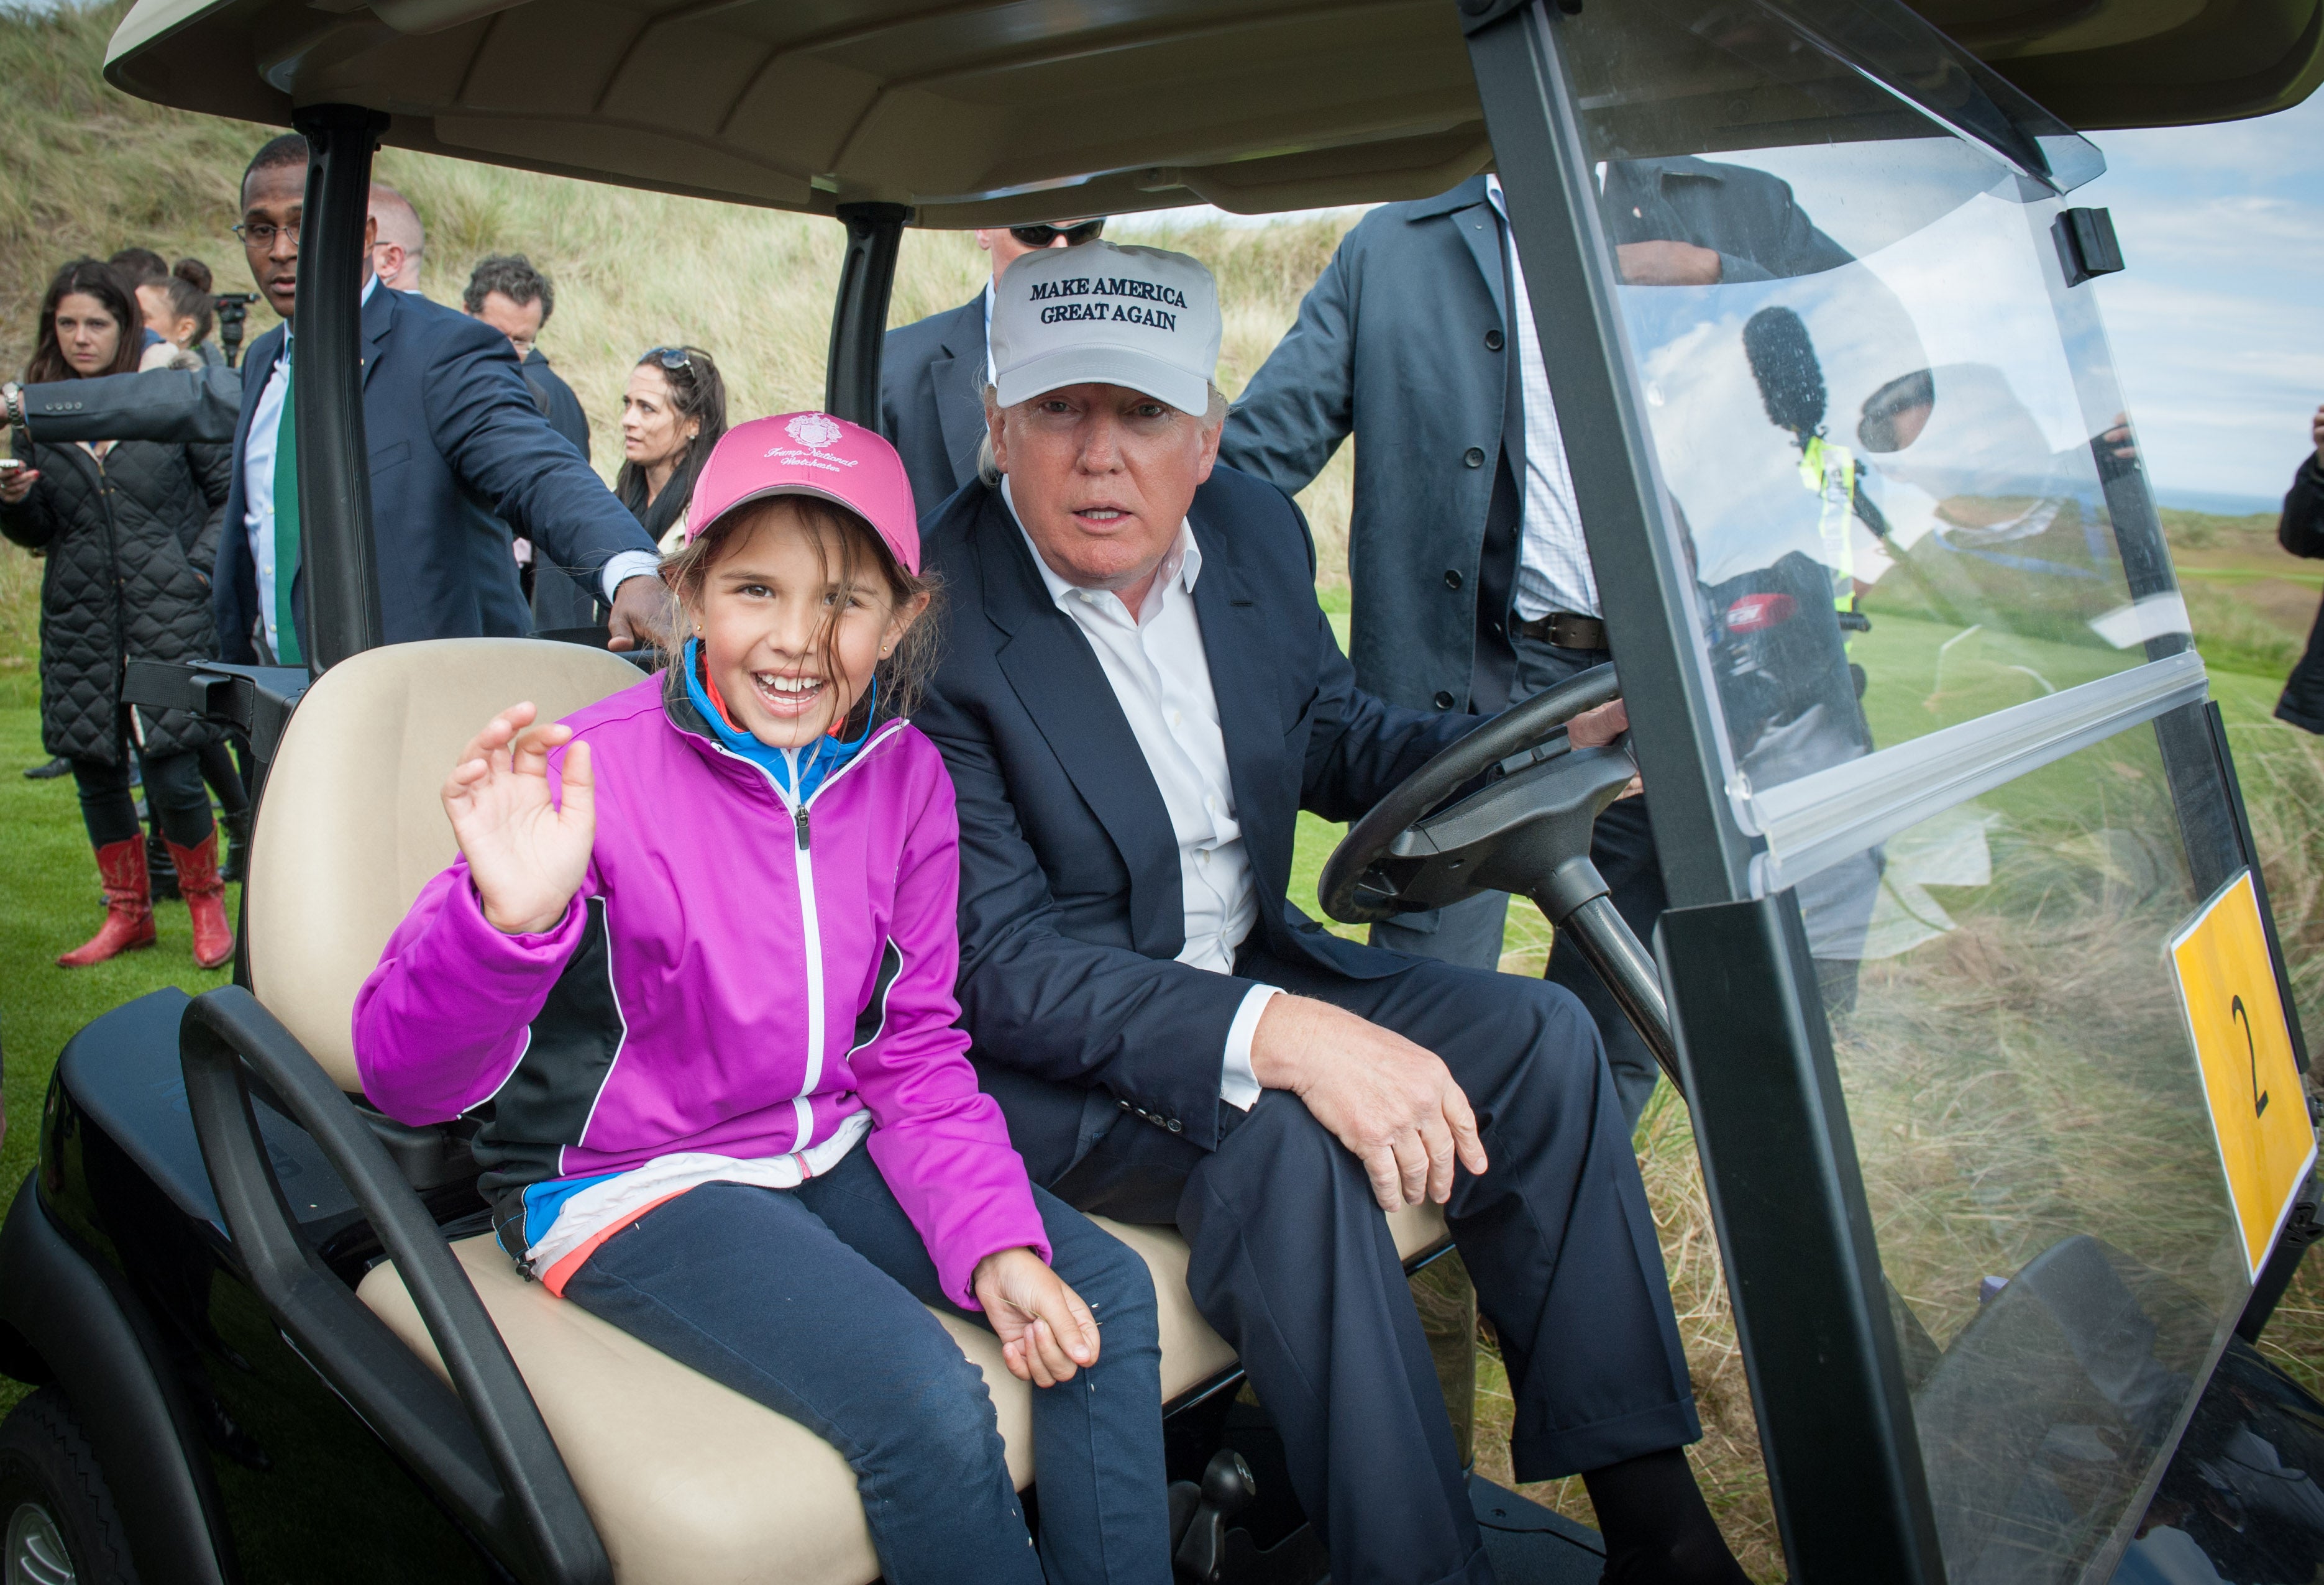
(1141, 317)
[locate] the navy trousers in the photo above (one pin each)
(1293, 1264)
(1623, 849)
(810, 1301)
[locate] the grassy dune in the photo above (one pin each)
(91, 172)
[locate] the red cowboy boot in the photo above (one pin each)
(128, 906)
(205, 893)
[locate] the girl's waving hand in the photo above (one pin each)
(526, 855)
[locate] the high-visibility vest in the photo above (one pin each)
(1829, 473)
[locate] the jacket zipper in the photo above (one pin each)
(810, 921)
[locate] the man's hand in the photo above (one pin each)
(643, 614)
(1392, 1103)
(1045, 1332)
(2316, 433)
(17, 483)
(1594, 728)
(1667, 263)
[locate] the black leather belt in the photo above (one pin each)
(1565, 629)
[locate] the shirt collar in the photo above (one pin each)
(1183, 564)
(1502, 206)
(370, 284)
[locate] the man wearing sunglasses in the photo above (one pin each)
(934, 373)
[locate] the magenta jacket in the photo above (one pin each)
(737, 977)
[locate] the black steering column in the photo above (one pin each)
(1523, 800)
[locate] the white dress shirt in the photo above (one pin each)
(258, 491)
(1553, 571)
(1161, 677)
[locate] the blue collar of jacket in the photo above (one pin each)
(795, 770)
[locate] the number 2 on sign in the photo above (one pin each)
(2227, 989)
(2251, 1048)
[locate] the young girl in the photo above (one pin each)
(703, 1002)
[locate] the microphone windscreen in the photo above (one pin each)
(1784, 363)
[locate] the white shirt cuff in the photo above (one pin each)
(1238, 1086)
(626, 565)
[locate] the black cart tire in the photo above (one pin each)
(58, 1525)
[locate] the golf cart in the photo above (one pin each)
(1892, 611)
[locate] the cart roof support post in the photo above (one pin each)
(1843, 1461)
(1536, 137)
(336, 554)
(859, 321)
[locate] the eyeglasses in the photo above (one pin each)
(258, 236)
(672, 358)
(1076, 233)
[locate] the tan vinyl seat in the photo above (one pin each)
(685, 1480)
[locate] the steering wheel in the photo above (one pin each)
(1522, 803)
(1401, 858)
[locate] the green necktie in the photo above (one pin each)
(286, 520)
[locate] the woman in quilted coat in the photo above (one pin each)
(130, 529)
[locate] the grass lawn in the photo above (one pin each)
(53, 889)
(53, 907)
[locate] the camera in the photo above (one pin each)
(232, 309)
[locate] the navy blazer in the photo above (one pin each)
(1071, 904)
(1401, 343)
(932, 398)
(458, 452)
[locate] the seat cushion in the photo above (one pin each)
(354, 824)
(689, 1480)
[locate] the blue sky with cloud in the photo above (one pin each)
(2217, 335)
(2215, 322)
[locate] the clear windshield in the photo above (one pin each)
(1896, 460)
(1888, 431)
(2036, 1153)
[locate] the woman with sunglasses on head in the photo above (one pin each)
(130, 529)
(933, 374)
(673, 412)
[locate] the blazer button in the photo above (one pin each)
(1177, 1126)
(1123, 1104)
(1444, 699)
(1474, 456)
(1451, 578)
(1493, 339)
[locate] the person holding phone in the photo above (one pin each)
(130, 531)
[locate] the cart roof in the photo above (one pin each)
(1001, 111)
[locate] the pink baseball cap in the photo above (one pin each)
(810, 454)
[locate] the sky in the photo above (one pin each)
(2216, 324)
(2218, 319)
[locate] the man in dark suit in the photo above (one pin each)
(506, 293)
(458, 453)
(1475, 590)
(933, 371)
(1137, 693)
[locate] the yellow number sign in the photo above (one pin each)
(2226, 987)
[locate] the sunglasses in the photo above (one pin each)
(1076, 233)
(672, 358)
